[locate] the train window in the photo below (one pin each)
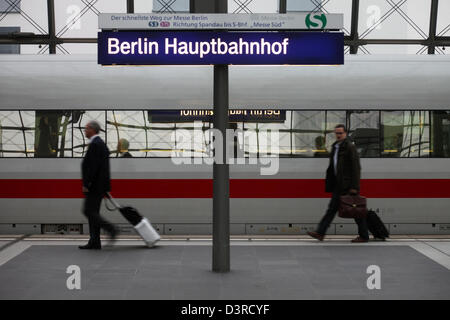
(332, 118)
(258, 139)
(39, 134)
(17, 133)
(157, 133)
(127, 133)
(167, 139)
(53, 133)
(312, 132)
(250, 143)
(191, 139)
(440, 133)
(80, 119)
(364, 130)
(169, 133)
(405, 134)
(238, 143)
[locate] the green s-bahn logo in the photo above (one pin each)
(317, 21)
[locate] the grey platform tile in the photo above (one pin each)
(196, 290)
(441, 246)
(244, 294)
(2, 243)
(258, 272)
(149, 294)
(15, 294)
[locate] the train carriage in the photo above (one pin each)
(397, 109)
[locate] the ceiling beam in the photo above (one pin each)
(51, 26)
(354, 27)
(433, 26)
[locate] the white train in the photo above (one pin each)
(396, 107)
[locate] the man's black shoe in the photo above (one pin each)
(316, 235)
(360, 240)
(90, 247)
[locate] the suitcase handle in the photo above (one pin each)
(115, 204)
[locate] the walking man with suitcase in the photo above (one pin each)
(342, 177)
(96, 183)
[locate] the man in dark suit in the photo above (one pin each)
(96, 183)
(342, 177)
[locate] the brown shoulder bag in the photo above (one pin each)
(352, 206)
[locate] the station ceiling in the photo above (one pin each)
(370, 26)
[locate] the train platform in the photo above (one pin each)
(296, 267)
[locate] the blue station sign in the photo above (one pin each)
(205, 48)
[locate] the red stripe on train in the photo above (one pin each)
(239, 188)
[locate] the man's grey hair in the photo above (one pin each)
(124, 144)
(94, 125)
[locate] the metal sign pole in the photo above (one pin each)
(118, 48)
(221, 173)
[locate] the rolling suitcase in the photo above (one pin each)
(140, 223)
(376, 226)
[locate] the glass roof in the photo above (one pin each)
(382, 26)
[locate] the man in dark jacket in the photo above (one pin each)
(342, 177)
(96, 183)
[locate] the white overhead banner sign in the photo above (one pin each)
(186, 21)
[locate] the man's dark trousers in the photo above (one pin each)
(91, 210)
(333, 207)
